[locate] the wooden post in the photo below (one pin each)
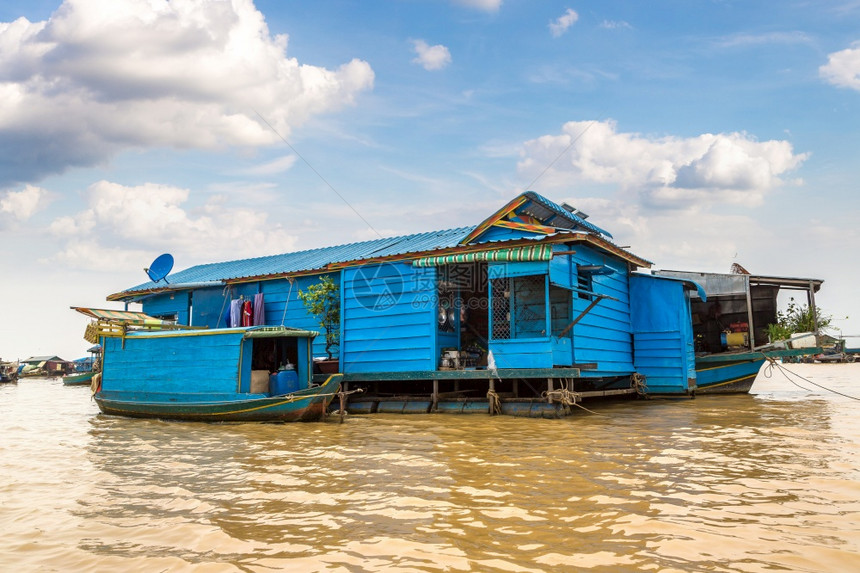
(435, 404)
(549, 390)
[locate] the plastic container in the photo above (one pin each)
(285, 381)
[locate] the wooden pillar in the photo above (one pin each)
(435, 404)
(516, 388)
(549, 390)
(750, 312)
(810, 297)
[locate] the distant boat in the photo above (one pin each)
(155, 369)
(80, 379)
(8, 372)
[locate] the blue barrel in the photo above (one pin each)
(284, 382)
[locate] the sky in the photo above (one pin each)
(700, 133)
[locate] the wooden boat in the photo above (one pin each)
(309, 404)
(8, 372)
(79, 379)
(152, 369)
(735, 372)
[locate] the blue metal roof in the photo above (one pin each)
(213, 274)
(573, 220)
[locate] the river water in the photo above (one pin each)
(762, 482)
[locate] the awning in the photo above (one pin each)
(512, 255)
(123, 315)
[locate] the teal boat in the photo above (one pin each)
(80, 379)
(152, 369)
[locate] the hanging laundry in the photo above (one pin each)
(247, 314)
(259, 310)
(235, 312)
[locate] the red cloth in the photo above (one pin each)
(247, 314)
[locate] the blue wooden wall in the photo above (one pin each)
(604, 335)
(210, 305)
(280, 293)
(388, 318)
(159, 362)
(169, 303)
(662, 334)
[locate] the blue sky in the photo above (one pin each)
(700, 133)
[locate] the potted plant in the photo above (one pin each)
(323, 301)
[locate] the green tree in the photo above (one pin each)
(796, 318)
(323, 301)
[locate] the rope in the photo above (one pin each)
(224, 296)
(495, 403)
(772, 363)
(567, 397)
(287, 302)
(637, 381)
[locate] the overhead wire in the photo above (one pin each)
(318, 174)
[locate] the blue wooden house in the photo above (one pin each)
(524, 313)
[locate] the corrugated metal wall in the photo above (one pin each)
(388, 312)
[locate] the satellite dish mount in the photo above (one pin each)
(160, 268)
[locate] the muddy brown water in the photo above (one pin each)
(762, 482)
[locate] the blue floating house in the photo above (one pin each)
(524, 313)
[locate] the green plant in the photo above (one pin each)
(323, 301)
(796, 318)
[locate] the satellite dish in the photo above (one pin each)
(160, 268)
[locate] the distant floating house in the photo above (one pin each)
(45, 366)
(524, 313)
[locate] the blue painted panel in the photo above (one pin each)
(604, 335)
(521, 269)
(562, 271)
(284, 308)
(160, 363)
(208, 306)
(503, 234)
(520, 353)
(389, 319)
(663, 338)
(168, 304)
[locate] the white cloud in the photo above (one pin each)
(99, 77)
(561, 24)
(670, 172)
(273, 167)
(152, 217)
(615, 24)
(843, 68)
(485, 5)
(431, 57)
(23, 204)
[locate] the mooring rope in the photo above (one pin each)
(638, 383)
(495, 403)
(772, 363)
(567, 397)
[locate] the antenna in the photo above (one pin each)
(160, 268)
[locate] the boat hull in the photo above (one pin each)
(727, 378)
(735, 372)
(302, 406)
(83, 379)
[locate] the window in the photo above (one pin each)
(519, 307)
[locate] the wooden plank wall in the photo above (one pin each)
(170, 363)
(604, 335)
(389, 318)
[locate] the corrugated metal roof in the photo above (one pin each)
(214, 273)
(574, 221)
